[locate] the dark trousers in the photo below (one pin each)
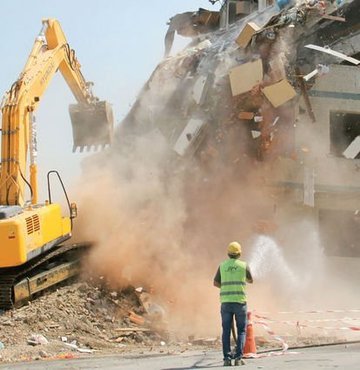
(228, 312)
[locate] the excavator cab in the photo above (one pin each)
(92, 125)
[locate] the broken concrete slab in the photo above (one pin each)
(327, 50)
(353, 149)
(309, 186)
(245, 76)
(311, 75)
(200, 88)
(334, 18)
(246, 115)
(255, 134)
(246, 34)
(279, 93)
(188, 136)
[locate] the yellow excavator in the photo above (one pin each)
(32, 254)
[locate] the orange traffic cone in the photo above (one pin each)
(250, 345)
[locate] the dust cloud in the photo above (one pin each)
(166, 228)
(163, 222)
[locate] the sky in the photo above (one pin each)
(118, 43)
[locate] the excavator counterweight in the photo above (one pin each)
(92, 125)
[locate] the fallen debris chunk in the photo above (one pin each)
(334, 18)
(305, 95)
(245, 76)
(37, 339)
(246, 34)
(200, 89)
(2, 346)
(333, 53)
(311, 74)
(279, 93)
(255, 134)
(189, 136)
(353, 149)
(132, 329)
(43, 354)
(76, 348)
(136, 319)
(246, 115)
(320, 70)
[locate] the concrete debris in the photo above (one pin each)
(68, 320)
(246, 34)
(246, 115)
(320, 70)
(353, 150)
(279, 93)
(37, 339)
(76, 348)
(334, 53)
(136, 319)
(334, 18)
(244, 77)
(189, 136)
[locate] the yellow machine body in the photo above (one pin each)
(31, 233)
(28, 231)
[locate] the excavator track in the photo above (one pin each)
(16, 282)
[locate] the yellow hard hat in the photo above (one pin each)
(234, 248)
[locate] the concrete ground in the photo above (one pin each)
(327, 357)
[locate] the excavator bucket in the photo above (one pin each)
(92, 125)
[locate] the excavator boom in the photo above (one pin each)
(31, 233)
(92, 120)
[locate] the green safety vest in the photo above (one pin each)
(233, 281)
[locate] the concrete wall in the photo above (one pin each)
(339, 90)
(336, 180)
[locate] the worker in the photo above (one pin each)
(231, 277)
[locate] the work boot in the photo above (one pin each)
(227, 362)
(239, 362)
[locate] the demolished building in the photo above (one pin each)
(267, 90)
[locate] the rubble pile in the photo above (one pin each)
(80, 318)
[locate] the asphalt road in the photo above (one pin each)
(328, 357)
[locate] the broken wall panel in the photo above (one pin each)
(279, 93)
(246, 34)
(245, 76)
(189, 137)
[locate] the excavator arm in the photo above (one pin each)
(92, 120)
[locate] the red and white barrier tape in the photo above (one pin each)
(306, 312)
(264, 323)
(353, 328)
(284, 345)
(299, 324)
(289, 322)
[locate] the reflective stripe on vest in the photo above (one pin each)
(233, 281)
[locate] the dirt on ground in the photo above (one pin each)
(86, 318)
